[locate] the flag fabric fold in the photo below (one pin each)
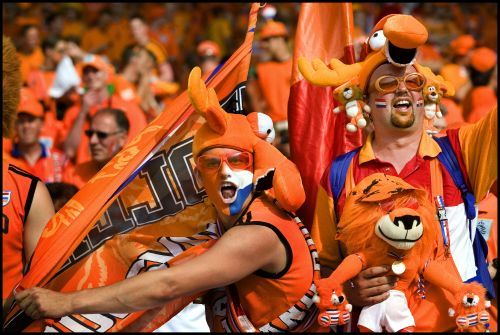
(143, 211)
(317, 135)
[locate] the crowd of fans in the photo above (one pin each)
(95, 74)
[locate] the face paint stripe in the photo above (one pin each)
(380, 103)
(241, 195)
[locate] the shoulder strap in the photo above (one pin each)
(338, 171)
(448, 158)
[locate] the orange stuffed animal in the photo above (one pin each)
(388, 222)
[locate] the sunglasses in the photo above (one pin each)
(389, 84)
(236, 161)
(100, 134)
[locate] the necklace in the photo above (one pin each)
(398, 266)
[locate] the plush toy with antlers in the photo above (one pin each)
(387, 222)
(273, 174)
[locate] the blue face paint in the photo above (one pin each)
(241, 196)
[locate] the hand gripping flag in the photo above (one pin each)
(317, 135)
(142, 212)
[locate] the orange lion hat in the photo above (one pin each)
(251, 133)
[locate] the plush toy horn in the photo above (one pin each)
(205, 102)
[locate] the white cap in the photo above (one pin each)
(66, 77)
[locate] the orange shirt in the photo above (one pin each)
(40, 81)
(274, 80)
(53, 132)
(134, 114)
(125, 89)
(30, 62)
(18, 188)
(266, 296)
(120, 38)
(48, 168)
(93, 39)
(80, 174)
(488, 215)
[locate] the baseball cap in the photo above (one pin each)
(273, 29)
(28, 103)
(208, 48)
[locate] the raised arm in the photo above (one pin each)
(241, 251)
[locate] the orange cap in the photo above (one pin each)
(273, 29)
(455, 74)
(99, 63)
(483, 59)
(462, 44)
(208, 48)
(28, 103)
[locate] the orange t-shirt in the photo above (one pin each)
(30, 62)
(18, 188)
(274, 80)
(125, 89)
(265, 296)
(40, 82)
(80, 174)
(93, 39)
(49, 167)
(135, 116)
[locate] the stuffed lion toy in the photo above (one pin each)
(388, 222)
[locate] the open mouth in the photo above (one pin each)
(399, 56)
(402, 104)
(228, 191)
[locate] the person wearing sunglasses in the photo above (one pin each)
(397, 144)
(263, 258)
(107, 135)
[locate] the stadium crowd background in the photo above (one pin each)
(146, 51)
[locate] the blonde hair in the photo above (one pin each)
(11, 85)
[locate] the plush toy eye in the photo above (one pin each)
(432, 89)
(377, 40)
(262, 126)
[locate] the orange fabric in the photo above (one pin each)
(483, 59)
(274, 80)
(120, 37)
(277, 294)
(125, 89)
(80, 174)
(488, 211)
(453, 116)
(455, 74)
(93, 39)
(462, 44)
(49, 167)
(167, 38)
(135, 116)
(30, 62)
(18, 188)
(482, 99)
(40, 81)
(73, 28)
(208, 48)
(53, 132)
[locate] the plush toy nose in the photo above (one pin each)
(470, 300)
(408, 221)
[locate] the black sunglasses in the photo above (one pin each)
(100, 134)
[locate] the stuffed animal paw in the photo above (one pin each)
(332, 304)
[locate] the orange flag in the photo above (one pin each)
(142, 212)
(317, 135)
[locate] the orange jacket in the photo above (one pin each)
(80, 174)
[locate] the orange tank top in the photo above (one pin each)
(264, 296)
(18, 188)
